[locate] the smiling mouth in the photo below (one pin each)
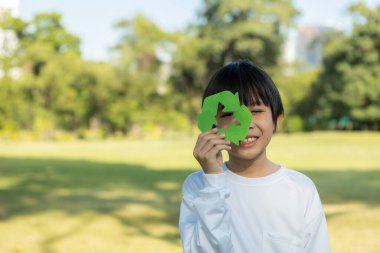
(247, 142)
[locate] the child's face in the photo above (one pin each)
(259, 135)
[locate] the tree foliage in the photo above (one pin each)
(155, 78)
(226, 31)
(56, 88)
(142, 64)
(348, 88)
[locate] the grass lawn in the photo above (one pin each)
(123, 196)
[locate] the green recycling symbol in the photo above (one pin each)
(231, 103)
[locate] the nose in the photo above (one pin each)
(252, 125)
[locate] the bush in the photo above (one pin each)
(293, 123)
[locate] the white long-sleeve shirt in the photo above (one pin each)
(228, 213)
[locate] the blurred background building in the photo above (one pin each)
(11, 6)
(305, 43)
(8, 40)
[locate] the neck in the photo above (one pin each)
(257, 167)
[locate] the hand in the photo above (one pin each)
(208, 150)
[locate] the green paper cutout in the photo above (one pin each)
(231, 103)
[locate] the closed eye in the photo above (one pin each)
(226, 115)
(256, 111)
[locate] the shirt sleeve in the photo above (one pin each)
(316, 238)
(204, 221)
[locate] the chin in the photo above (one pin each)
(245, 154)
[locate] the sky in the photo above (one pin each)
(93, 20)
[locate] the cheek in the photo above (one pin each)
(263, 120)
(264, 123)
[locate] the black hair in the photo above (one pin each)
(253, 84)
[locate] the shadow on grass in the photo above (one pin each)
(33, 186)
(342, 186)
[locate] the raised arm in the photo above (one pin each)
(204, 216)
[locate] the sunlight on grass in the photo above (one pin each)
(353, 227)
(123, 196)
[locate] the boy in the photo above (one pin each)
(248, 204)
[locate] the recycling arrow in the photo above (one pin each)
(231, 103)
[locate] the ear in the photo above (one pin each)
(279, 120)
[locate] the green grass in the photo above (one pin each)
(123, 196)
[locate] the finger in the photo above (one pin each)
(212, 130)
(206, 143)
(217, 148)
(210, 135)
(205, 137)
(211, 143)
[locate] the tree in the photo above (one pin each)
(228, 30)
(244, 29)
(56, 88)
(348, 88)
(293, 90)
(142, 64)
